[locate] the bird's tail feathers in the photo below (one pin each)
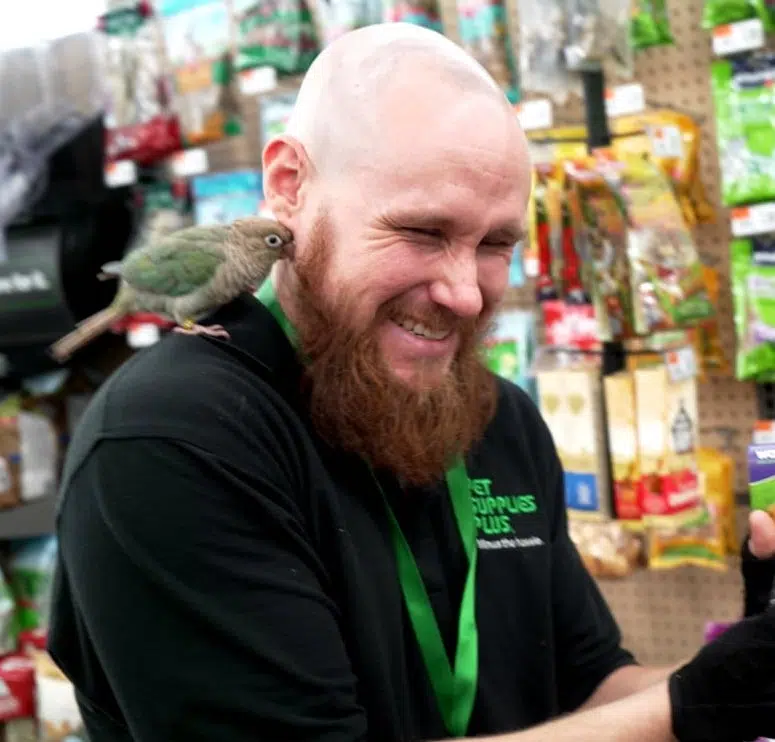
(86, 331)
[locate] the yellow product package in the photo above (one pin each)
(718, 473)
(697, 544)
(706, 338)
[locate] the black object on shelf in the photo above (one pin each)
(35, 518)
(598, 133)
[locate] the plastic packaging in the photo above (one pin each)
(274, 111)
(278, 35)
(650, 25)
(721, 12)
(140, 125)
(598, 31)
(198, 42)
(484, 34)
(426, 13)
(510, 347)
(744, 97)
(333, 18)
(221, 198)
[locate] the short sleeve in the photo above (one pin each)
(587, 637)
(198, 601)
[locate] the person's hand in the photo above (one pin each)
(762, 530)
(758, 566)
(728, 690)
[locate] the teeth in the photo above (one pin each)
(423, 331)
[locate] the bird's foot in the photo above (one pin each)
(215, 331)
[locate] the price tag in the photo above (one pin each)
(666, 141)
(681, 364)
(756, 219)
(535, 114)
(120, 173)
(738, 37)
(189, 162)
(258, 80)
(624, 100)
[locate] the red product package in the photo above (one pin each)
(17, 688)
(139, 123)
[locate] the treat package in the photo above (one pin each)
(484, 35)
(650, 25)
(517, 267)
(761, 477)
(18, 707)
(221, 198)
(698, 543)
(58, 715)
(752, 268)
(744, 96)
(622, 425)
(9, 623)
(510, 347)
(31, 573)
(598, 32)
(333, 18)
(721, 12)
(717, 470)
(544, 228)
(426, 13)
(542, 34)
(198, 39)
(278, 34)
(608, 550)
(705, 336)
(666, 278)
(600, 227)
(274, 112)
(139, 123)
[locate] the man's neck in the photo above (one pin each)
(285, 281)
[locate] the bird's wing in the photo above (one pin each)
(178, 264)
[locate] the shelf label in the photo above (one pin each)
(681, 364)
(258, 80)
(624, 100)
(755, 219)
(120, 173)
(666, 141)
(734, 38)
(189, 162)
(535, 114)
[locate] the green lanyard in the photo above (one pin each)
(455, 687)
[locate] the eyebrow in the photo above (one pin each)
(426, 220)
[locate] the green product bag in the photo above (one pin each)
(720, 12)
(744, 99)
(650, 25)
(752, 264)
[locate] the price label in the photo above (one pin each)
(751, 220)
(666, 141)
(189, 162)
(738, 37)
(681, 364)
(120, 173)
(258, 80)
(535, 114)
(624, 100)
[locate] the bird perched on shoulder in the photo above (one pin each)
(185, 276)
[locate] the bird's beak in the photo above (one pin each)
(289, 251)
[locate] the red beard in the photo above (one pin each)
(357, 403)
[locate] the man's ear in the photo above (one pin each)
(287, 170)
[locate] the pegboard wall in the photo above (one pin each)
(661, 613)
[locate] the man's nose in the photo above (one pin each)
(458, 288)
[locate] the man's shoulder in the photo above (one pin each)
(516, 407)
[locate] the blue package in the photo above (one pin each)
(510, 347)
(220, 198)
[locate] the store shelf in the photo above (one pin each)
(33, 519)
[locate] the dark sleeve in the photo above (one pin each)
(587, 637)
(202, 599)
(758, 580)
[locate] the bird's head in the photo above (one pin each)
(259, 233)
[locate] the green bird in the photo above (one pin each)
(185, 276)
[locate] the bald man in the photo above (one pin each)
(338, 526)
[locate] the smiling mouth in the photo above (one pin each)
(421, 331)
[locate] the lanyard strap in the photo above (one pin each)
(454, 687)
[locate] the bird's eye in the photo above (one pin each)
(274, 241)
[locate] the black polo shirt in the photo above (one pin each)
(225, 575)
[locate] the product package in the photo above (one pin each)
(18, 707)
(721, 12)
(333, 18)
(761, 477)
(220, 198)
(484, 35)
(139, 123)
(622, 423)
(57, 709)
(426, 13)
(752, 268)
(607, 549)
(274, 112)
(198, 41)
(650, 25)
(571, 402)
(509, 348)
(717, 471)
(31, 574)
(278, 34)
(743, 93)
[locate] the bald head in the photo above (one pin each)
(367, 79)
